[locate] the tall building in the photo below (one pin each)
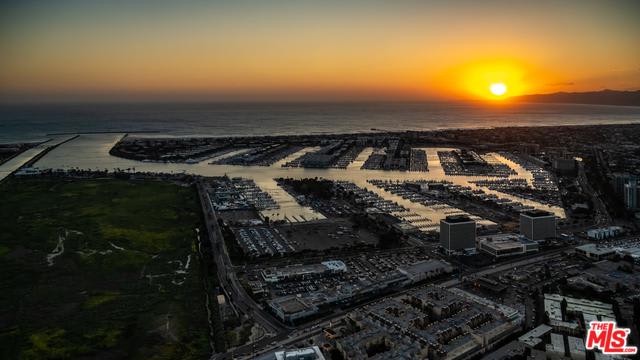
(529, 148)
(564, 165)
(457, 232)
(631, 195)
(620, 180)
(537, 224)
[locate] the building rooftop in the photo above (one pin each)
(605, 230)
(532, 338)
(426, 266)
(428, 322)
(633, 251)
(536, 213)
(291, 304)
(553, 308)
(595, 249)
(453, 219)
(576, 345)
(601, 356)
(505, 241)
(278, 274)
(557, 344)
(335, 265)
(310, 353)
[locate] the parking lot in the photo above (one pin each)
(372, 267)
(258, 241)
(326, 234)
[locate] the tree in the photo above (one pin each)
(547, 272)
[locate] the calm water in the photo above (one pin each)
(92, 152)
(27, 123)
(16, 162)
(34, 122)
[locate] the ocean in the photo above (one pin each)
(35, 122)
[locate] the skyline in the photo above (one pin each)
(305, 51)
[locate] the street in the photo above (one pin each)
(230, 283)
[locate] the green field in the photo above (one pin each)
(98, 269)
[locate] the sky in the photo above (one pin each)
(160, 50)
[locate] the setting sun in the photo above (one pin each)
(498, 89)
(492, 79)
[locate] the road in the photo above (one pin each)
(601, 216)
(230, 283)
(506, 266)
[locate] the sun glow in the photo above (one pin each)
(498, 89)
(494, 80)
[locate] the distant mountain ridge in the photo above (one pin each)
(603, 97)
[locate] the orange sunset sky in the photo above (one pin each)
(313, 50)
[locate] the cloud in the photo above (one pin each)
(567, 83)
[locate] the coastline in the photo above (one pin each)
(27, 124)
(378, 132)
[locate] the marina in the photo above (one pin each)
(95, 150)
